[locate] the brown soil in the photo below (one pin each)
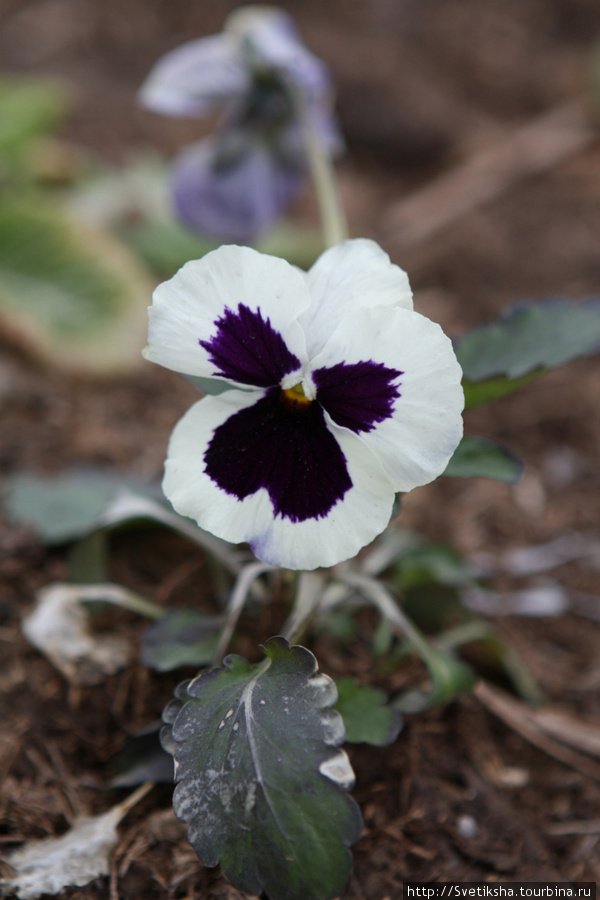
(424, 85)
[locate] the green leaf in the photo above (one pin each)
(183, 637)
(477, 457)
(73, 295)
(260, 778)
(88, 559)
(59, 508)
(477, 393)
(142, 759)
(301, 246)
(29, 109)
(449, 678)
(164, 245)
(367, 718)
(527, 341)
(431, 562)
(64, 507)
(72, 505)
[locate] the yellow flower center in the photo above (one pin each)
(295, 397)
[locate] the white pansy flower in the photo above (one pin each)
(341, 395)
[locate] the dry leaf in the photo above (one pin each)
(59, 627)
(75, 859)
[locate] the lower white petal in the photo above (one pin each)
(351, 524)
(355, 520)
(192, 492)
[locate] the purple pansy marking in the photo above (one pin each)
(357, 395)
(247, 349)
(289, 452)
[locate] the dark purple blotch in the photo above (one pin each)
(288, 451)
(357, 395)
(247, 349)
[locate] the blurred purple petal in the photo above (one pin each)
(272, 40)
(195, 78)
(234, 203)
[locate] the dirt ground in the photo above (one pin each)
(425, 88)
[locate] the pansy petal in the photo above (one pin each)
(232, 315)
(270, 38)
(196, 77)
(299, 542)
(352, 275)
(415, 423)
(235, 202)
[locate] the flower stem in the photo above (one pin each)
(118, 596)
(333, 217)
(308, 596)
(237, 600)
(389, 609)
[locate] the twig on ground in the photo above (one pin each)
(529, 723)
(534, 148)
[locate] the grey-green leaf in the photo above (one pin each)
(529, 340)
(183, 637)
(260, 778)
(477, 457)
(62, 508)
(67, 506)
(367, 717)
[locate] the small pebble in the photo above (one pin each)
(467, 826)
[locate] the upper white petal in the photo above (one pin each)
(195, 77)
(416, 443)
(350, 276)
(186, 309)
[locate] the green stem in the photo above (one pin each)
(238, 598)
(389, 609)
(118, 596)
(308, 596)
(333, 218)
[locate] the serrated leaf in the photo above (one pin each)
(183, 637)
(477, 457)
(29, 109)
(527, 341)
(74, 296)
(367, 717)
(260, 778)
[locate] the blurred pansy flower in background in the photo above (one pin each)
(341, 395)
(234, 184)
